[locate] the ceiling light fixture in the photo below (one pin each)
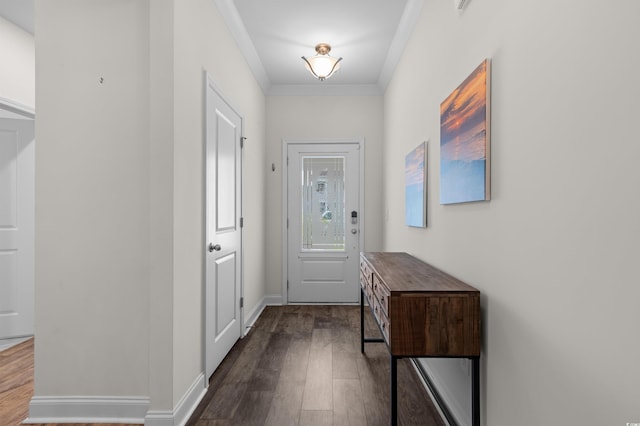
(322, 66)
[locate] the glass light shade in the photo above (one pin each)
(322, 66)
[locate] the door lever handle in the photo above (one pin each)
(214, 247)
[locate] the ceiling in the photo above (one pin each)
(273, 36)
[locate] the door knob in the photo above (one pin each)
(214, 247)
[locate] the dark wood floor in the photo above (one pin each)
(301, 365)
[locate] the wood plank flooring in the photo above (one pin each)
(299, 365)
(16, 385)
(16, 382)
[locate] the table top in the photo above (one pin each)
(402, 272)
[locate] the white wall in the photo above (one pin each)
(120, 196)
(316, 117)
(17, 73)
(92, 192)
(554, 252)
(203, 43)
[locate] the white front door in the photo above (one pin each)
(17, 198)
(323, 211)
(223, 320)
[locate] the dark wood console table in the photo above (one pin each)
(421, 312)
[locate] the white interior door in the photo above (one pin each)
(323, 211)
(223, 313)
(17, 199)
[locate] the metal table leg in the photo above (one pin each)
(361, 320)
(475, 391)
(394, 390)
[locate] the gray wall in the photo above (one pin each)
(315, 117)
(554, 252)
(120, 195)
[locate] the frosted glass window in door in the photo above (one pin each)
(323, 215)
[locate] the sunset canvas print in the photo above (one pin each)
(464, 140)
(415, 187)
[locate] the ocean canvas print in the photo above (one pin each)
(464, 140)
(415, 187)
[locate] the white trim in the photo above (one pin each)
(183, 410)
(17, 107)
(209, 83)
(159, 418)
(462, 416)
(419, 373)
(407, 22)
(77, 409)
(285, 177)
(13, 341)
(236, 26)
(273, 300)
(322, 89)
(254, 314)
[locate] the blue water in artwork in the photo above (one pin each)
(462, 181)
(414, 205)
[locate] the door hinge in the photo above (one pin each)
(242, 222)
(287, 284)
(242, 302)
(242, 139)
(287, 161)
(287, 223)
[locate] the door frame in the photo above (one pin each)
(27, 113)
(285, 197)
(17, 108)
(209, 83)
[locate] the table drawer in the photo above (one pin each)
(381, 318)
(382, 294)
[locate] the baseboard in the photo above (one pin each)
(8, 343)
(442, 409)
(181, 413)
(448, 409)
(132, 410)
(49, 409)
(252, 316)
(272, 300)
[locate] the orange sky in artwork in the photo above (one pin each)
(462, 124)
(414, 166)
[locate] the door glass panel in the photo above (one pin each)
(323, 215)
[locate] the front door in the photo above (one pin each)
(223, 314)
(323, 210)
(17, 198)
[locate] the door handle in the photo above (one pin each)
(214, 247)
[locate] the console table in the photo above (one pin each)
(421, 312)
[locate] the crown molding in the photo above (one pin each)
(406, 25)
(325, 90)
(232, 18)
(239, 32)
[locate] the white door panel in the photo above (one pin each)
(323, 243)
(223, 286)
(17, 194)
(225, 290)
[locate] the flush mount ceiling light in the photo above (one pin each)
(322, 66)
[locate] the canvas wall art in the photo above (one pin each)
(464, 140)
(416, 187)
